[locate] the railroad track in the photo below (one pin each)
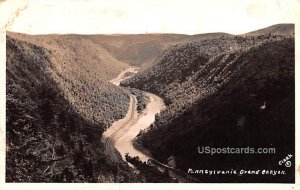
(110, 140)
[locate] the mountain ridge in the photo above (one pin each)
(142, 49)
(277, 29)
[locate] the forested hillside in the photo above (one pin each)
(47, 139)
(81, 70)
(220, 90)
(226, 92)
(58, 103)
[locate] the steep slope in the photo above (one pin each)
(59, 102)
(47, 139)
(82, 69)
(233, 92)
(173, 72)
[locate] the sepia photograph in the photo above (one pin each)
(149, 91)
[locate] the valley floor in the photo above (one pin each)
(119, 138)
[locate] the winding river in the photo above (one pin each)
(125, 143)
(118, 139)
(122, 132)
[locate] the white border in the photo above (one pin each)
(135, 186)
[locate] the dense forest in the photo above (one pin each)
(232, 91)
(81, 70)
(47, 140)
(142, 99)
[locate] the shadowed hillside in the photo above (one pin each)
(47, 139)
(233, 92)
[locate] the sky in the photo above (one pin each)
(145, 16)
